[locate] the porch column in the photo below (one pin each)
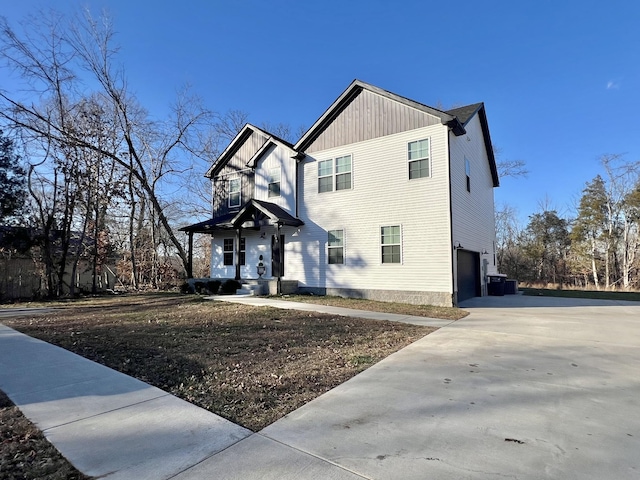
(190, 257)
(280, 262)
(237, 253)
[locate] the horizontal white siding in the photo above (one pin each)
(381, 195)
(473, 212)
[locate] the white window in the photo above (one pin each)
(325, 176)
(338, 179)
(343, 172)
(228, 251)
(335, 246)
(467, 171)
(234, 192)
(391, 243)
(419, 159)
(274, 182)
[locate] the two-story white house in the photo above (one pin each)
(382, 198)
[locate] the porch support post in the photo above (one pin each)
(237, 242)
(190, 257)
(280, 260)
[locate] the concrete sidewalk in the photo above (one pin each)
(339, 311)
(529, 389)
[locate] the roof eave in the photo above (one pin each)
(244, 133)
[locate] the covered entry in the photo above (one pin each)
(252, 216)
(468, 275)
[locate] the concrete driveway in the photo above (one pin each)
(523, 388)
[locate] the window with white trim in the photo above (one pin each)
(325, 176)
(227, 251)
(330, 179)
(391, 243)
(343, 172)
(243, 250)
(234, 192)
(335, 246)
(274, 182)
(419, 159)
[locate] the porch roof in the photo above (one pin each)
(208, 226)
(254, 214)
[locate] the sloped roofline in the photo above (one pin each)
(464, 115)
(273, 212)
(353, 91)
(456, 119)
(244, 133)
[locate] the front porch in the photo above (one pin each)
(261, 222)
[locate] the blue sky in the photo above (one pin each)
(560, 79)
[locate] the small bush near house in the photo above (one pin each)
(199, 287)
(213, 286)
(186, 288)
(230, 286)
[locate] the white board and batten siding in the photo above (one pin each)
(277, 156)
(473, 212)
(381, 195)
(255, 246)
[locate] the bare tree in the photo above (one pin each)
(54, 57)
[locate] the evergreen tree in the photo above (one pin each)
(590, 226)
(12, 180)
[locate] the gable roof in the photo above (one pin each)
(254, 209)
(464, 115)
(352, 91)
(253, 212)
(456, 119)
(244, 133)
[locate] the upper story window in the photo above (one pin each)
(234, 192)
(330, 179)
(274, 182)
(343, 172)
(419, 159)
(325, 176)
(467, 171)
(335, 246)
(391, 242)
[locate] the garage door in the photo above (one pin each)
(468, 275)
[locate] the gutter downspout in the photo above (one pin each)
(454, 297)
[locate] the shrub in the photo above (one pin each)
(230, 286)
(199, 287)
(213, 286)
(186, 288)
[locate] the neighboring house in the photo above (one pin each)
(382, 198)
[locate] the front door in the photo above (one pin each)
(277, 256)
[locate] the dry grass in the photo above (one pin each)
(429, 311)
(24, 451)
(251, 365)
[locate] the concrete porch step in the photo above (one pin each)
(250, 289)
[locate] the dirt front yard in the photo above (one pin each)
(251, 365)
